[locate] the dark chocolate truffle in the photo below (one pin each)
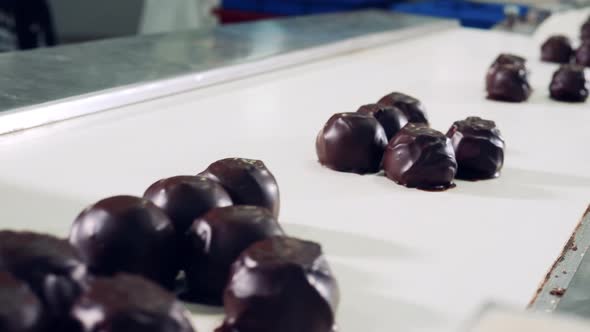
(20, 309)
(504, 59)
(247, 181)
(281, 284)
(127, 234)
(508, 83)
(583, 54)
(557, 49)
(569, 84)
(128, 303)
(351, 142)
(392, 119)
(50, 266)
(420, 157)
(410, 106)
(215, 241)
(479, 148)
(185, 198)
(585, 31)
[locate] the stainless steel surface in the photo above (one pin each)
(570, 274)
(49, 85)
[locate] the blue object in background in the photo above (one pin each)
(470, 14)
(301, 7)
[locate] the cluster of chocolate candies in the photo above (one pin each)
(125, 255)
(506, 79)
(394, 135)
(569, 82)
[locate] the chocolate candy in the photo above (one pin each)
(281, 284)
(128, 303)
(127, 234)
(247, 181)
(420, 157)
(351, 142)
(50, 266)
(392, 119)
(557, 49)
(508, 83)
(583, 54)
(215, 241)
(185, 198)
(479, 148)
(569, 84)
(410, 106)
(504, 59)
(20, 309)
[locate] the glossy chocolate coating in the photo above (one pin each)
(127, 303)
(247, 181)
(557, 49)
(20, 309)
(508, 83)
(569, 84)
(410, 106)
(127, 234)
(479, 148)
(50, 266)
(351, 142)
(504, 59)
(281, 284)
(392, 119)
(215, 241)
(583, 54)
(420, 157)
(186, 198)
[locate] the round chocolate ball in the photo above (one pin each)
(392, 119)
(281, 284)
(420, 157)
(351, 142)
(508, 83)
(128, 303)
(186, 198)
(504, 59)
(214, 242)
(50, 266)
(127, 234)
(583, 54)
(585, 31)
(20, 309)
(410, 106)
(479, 148)
(569, 84)
(557, 49)
(247, 181)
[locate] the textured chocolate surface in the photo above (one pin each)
(508, 82)
(504, 59)
(585, 31)
(281, 284)
(247, 181)
(127, 234)
(50, 266)
(20, 309)
(185, 198)
(127, 303)
(569, 84)
(410, 106)
(583, 54)
(420, 157)
(392, 119)
(351, 142)
(214, 242)
(479, 148)
(557, 49)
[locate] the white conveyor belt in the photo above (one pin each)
(407, 260)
